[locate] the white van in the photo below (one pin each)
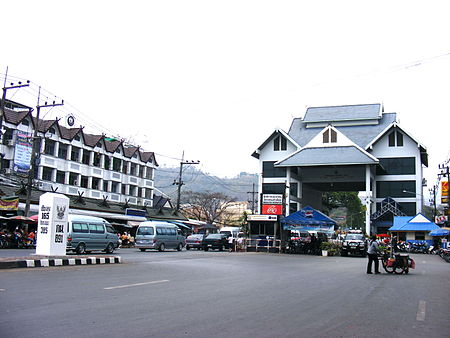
(88, 233)
(159, 235)
(231, 231)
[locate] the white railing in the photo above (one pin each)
(264, 244)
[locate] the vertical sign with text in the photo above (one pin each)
(52, 224)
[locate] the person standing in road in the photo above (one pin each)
(372, 252)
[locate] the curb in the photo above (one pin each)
(46, 262)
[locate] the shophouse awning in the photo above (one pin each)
(415, 223)
(308, 219)
(440, 232)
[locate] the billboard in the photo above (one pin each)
(22, 152)
(272, 209)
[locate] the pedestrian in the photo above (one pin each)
(372, 252)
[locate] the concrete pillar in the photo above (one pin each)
(368, 199)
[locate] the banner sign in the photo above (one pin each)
(9, 203)
(444, 188)
(272, 199)
(271, 218)
(22, 152)
(272, 209)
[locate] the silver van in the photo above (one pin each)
(88, 233)
(159, 235)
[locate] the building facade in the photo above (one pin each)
(344, 148)
(73, 162)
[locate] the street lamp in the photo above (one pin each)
(410, 192)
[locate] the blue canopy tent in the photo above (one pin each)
(308, 219)
(412, 225)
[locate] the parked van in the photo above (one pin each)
(88, 233)
(231, 231)
(159, 235)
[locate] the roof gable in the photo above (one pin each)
(275, 133)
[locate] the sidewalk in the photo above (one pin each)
(35, 261)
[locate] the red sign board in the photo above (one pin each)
(272, 209)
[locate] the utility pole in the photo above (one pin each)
(433, 200)
(180, 182)
(5, 89)
(253, 201)
(35, 152)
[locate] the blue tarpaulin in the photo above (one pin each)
(308, 219)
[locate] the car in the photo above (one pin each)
(194, 241)
(215, 241)
(354, 243)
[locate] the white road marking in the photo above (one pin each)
(421, 311)
(2, 290)
(137, 284)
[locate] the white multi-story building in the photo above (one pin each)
(344, 148)
(75, 162)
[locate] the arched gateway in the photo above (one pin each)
(342, 148)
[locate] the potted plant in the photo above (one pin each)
(325, 247)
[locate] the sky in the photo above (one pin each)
(213, 79)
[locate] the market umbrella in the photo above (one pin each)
(383, 235)
(22, 219)
(440, 232)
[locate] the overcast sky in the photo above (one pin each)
(215, 78)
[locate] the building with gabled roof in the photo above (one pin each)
(73, 162)
(344, 148)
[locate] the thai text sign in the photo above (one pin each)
(444, 191)
(272, 199)
(52, 224)
(22, 152)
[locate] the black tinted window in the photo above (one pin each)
(146, 231)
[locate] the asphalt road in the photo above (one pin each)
(221, 294)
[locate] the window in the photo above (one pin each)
(62, 151)
(141, 171)
(279, 143)
(97, 159)
(329, 135)
(395, 189)
(49, 148)
(293, 190)
(273, 188)
(96, 228)
(124, 189)
(77, 137)
(409, 208)
(270, 171)
(73, 179)
(397, 166)
(80, 227)
(107, 162)
(133, 191)
(75, 154)
(149, 173)
(96, 183)
(133, 169)
(105, 186)
(84, 181)
(117, 163)
(86, 157)
(52, 130)
(8, 134)
(60, 177)
(25, 122)
(148, 193)
(396, 139)
(47, 173)
(115, 187)
(420, 235)
(125, 167)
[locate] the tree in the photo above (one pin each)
(206, 206)
(350, 200)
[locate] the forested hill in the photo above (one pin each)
(198, 181)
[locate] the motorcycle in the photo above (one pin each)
(398, 264)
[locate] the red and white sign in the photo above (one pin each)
(272, 209)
